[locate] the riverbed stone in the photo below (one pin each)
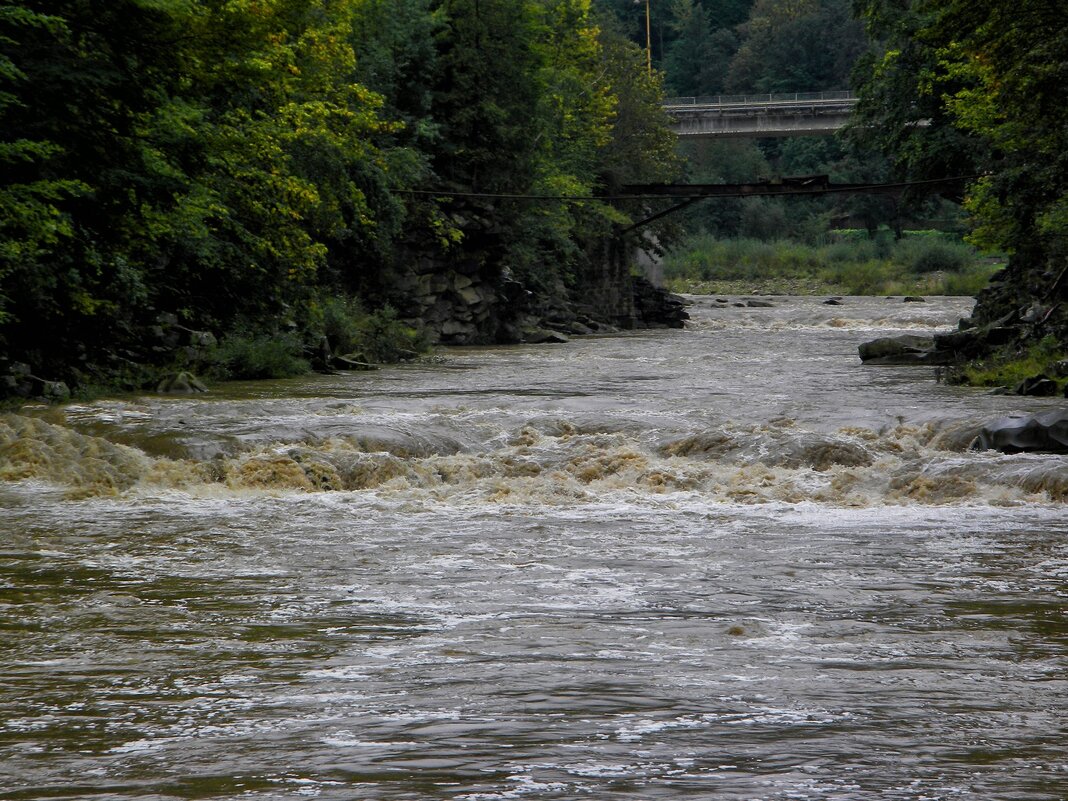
(202, 339)
(905, 349)
(55, 391)
(1043, 433)
(180, 383)
(539, 336)
(1041, 386)
(913, 299)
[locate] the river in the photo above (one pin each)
(728, 562)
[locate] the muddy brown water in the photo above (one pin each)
(722, 563)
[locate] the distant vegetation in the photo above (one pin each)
(849, 262)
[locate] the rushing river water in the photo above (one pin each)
(722, 563)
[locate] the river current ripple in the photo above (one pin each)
(722, 563)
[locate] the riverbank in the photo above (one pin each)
(921, 263)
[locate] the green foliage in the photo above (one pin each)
(338, 319)
(788, 49)
(256, 356)
(856, 265)
(991, 79)
(381, 338)
(929, 254)
(698, 60)
(233, 163)
(1008, 368)
(378, 337)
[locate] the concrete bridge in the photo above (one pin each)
(752, 116)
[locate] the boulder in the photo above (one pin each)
(832, 302)
(1041, 386)
(458, 330)
(905, 349)
(538, 336)
(913, 299)
(202, 339)
(759, 304)
(1044, 433)
(181, 383)
(54, 391)
(973, 342)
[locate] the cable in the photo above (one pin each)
(757, 190)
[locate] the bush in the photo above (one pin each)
(382, 338)
(264, 356)
(339, 319)
(1010, 367)
(969, 281)
(854, 263)
(377, 337)
(929, 254)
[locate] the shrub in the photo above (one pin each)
(262, 356)
(1010, 367)
(340, 319)
(930, 254)
(382, 338)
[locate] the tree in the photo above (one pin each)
(699, 57)
(990, 80)
(797, 46)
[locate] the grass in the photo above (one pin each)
(922, 264)
(1008, 368)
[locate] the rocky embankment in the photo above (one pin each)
(459, 306)
(1011, 316)
(454, 306)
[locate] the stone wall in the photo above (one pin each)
(470, 302)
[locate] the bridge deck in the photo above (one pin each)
(796, 114)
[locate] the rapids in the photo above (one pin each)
(728, 562)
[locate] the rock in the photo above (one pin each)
(181, 383)
(655, 307)
(456, 329)
(20, 370)
(54, 391)
(1046, 433)
(202, 339)
(470, 295)
(538, 336)
(579, 329)
(906, 349)
(759, 304)
(1035, 313)
(1040, 386)
(913, 299)
(833, 302)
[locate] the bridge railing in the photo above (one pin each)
(759, 99)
